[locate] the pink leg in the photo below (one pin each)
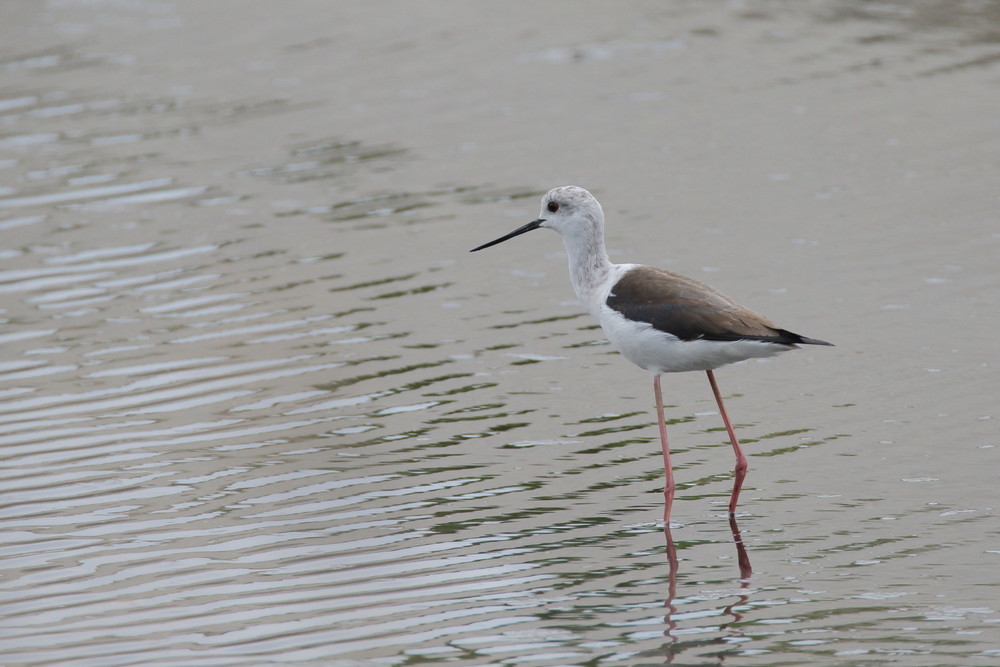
(742, 557)
(668, 472)
(741, 460)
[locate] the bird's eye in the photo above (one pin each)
(553, 207)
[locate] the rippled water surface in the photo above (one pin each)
(259, 404)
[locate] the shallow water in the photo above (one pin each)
(258, 403)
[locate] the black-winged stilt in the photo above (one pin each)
(661, 321)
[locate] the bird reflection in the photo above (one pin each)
(743, 559)
(673, 647)
(668, 619)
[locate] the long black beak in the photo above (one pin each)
(534, 224)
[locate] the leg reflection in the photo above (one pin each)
(745, 571)
(670, 648)
(673, 647)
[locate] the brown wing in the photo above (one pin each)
(691, 310)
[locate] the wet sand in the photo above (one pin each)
(259, 403)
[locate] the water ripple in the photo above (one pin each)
(258, 405)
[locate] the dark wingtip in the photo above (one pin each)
(812, 341)
(791, 338)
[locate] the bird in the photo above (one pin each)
(661, 321)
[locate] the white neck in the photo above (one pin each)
(588, 261)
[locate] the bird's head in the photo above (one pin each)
(569, 210)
